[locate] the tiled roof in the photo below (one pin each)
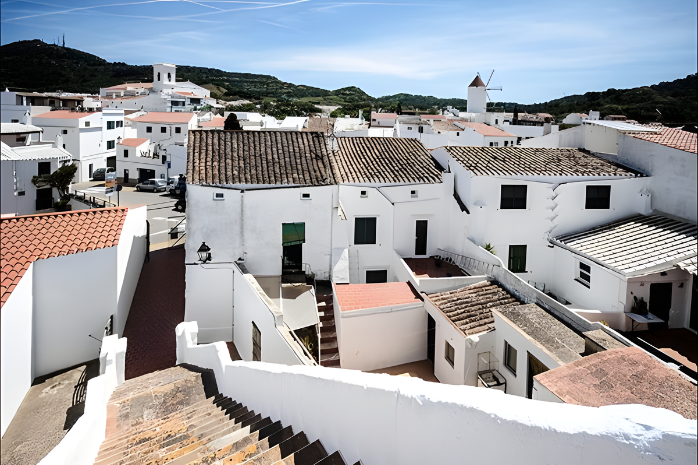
(64, 114)
(383, 115)
(137, 85)
(470, 308)
(523, 161)
(689, 265)
(621, 376)
(165, 117)
(477, 82)
(28, 238)
(446, 126)
(672, 137)
(18, 128)
(636, 244)
(485, 129)
(547, 331)
(134, 141)
(382, 160)
(319, 124)
(361, 296)
(258, 157)
(217, 122)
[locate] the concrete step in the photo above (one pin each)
(255, 452)
(281, 451)
(327, 317)
(327, 298)
(329, 347)
(334, 459)
(327, 327)
(309, 455)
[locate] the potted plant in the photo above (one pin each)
(60, 179)
(639, 306)
(490, 248)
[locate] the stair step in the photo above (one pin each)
(334, 459)
(329, 347)
(327, 327)
(309, 455)
(323, 298)
(259, 452)
(327, 318)
(281, 451)
(331, 363)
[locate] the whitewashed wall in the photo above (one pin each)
(130, 255)
(25, 169)
(209, 300)
(680, 296)
(382, 419)
(674, 174)
(16, 373)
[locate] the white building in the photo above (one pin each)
(383, 120)
(89, 137)
(575, 118)
(19, 107)
(18, 134)
(136, 162)
(40, 315)
(19, 165)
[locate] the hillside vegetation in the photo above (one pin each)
(33, 65)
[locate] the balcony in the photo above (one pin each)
(488, 375)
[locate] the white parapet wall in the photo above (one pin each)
(382, 419)
(81, 444)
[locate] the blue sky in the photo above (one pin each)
(540, 50)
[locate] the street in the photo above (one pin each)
(161, 213)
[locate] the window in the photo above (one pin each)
(15, 121)
(409, 128)
(164, 159)
(510, 357)
(158, 76)
(20, 139)
(413, 194)
(163, 130)
(64, 131)
(598, 197)
(449, 353)
(63, 145)
(178, 130)
(305, 196)
(218, 196)
(376, 276)
(491, 144)
(364, 194)
(457, 133)
(90, 170)
(87, 124)
(256, 344)
(119, 124)
(517, 258)
(169, 76)
(513, 198)
(111, 144)
(584, 274)
(148, 129)
(44, 168)
(125, 153)
(111, 124)
(496, 121)
(506, 143)
(365, 231)
(421, 129)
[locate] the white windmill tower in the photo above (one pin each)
(477, 94)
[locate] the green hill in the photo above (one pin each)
(33, 65)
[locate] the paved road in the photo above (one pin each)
(161, 213)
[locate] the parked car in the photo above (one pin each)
(154, 185)
(100, 173)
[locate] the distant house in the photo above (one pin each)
(383, 120)
(18, 134)
(575, 118)
(615, 118)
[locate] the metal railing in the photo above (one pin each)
(298, 341)
(92, 201)
(468, 264)
(174, 233)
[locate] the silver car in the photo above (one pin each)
(153, 185)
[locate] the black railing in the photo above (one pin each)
(92, 201)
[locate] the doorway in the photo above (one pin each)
(431, 338)
(535, 367)
(420, 241)
(660, 302)
(125, 176)
(144, 175)
(44, 198)
(292, 240)
(111, 162)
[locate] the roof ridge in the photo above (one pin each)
(70, 212)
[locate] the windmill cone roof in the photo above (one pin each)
(477, 82)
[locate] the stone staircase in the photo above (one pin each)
(177, 416)
(329, 350)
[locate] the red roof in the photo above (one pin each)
(134, 141)
(214, 123)
(485, 129)
(25, 239)
(621, 376)
(477, 82)
(358, 296)
(671, 137)
(165, 117)
(65, 114)
(383, 115)
(185, 93)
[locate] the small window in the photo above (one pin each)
(413, 194)
(409, 128)
(87, 124)
(510, 357)
(90, 169)
(457, 133)
(111, 124)
(449, 354)
(365, 231)
(119, 124)
(158, 76)
(364, 194)
(421, 129)
(164, 160)
(148, 129)
(111, 144)
(44, 168)
(513, 198)
(163, 130)
(506, 143)
(517, 258)
(376, 276)
(305, 195)
(496, 121)
(125, 153)
(20, 139)
(598, 198)
(63, 145)
(178, 130)
(584, 274)
(169, 76)
(256, 344)
(496, 144)
(15, 121)
(64, 131)
(218, 196)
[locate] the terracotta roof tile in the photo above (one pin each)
(361, 296)
(621, 376)
(672, 137)
(64, 114)
(165, 117)
(134, 141)
(217, 122)
(34, 237)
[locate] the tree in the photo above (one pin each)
(60, 179)
(232, 123)
(399, 108)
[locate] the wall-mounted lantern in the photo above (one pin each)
(204, 253)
